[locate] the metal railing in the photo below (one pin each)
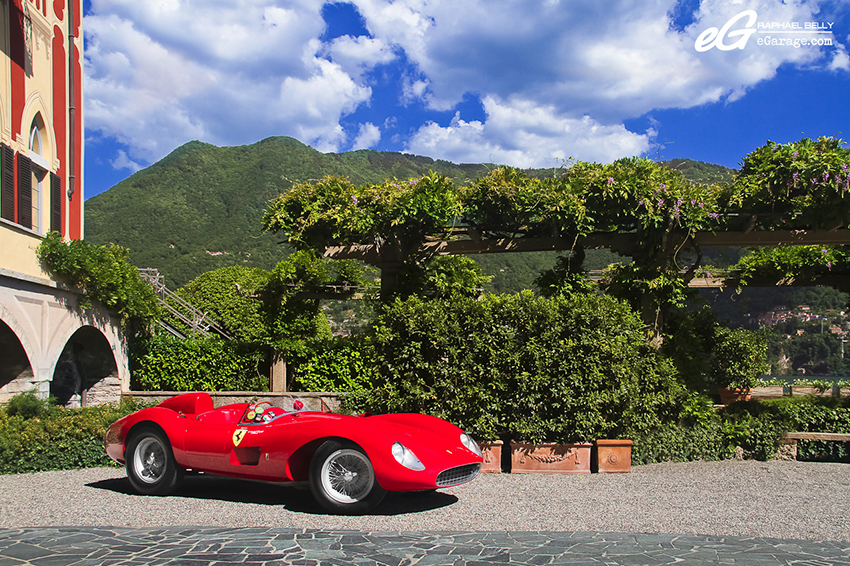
(199, 322)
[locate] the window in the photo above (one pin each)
(40, 169)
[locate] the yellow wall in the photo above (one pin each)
(17, 251)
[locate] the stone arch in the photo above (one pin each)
(86, 371)
(16, 371)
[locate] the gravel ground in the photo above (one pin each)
(790, 500)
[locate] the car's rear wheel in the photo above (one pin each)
(150, 463)
(342, 479)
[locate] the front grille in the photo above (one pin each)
(455, 476)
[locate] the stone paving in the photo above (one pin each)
(181, 546)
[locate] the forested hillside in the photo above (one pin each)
(199, 208)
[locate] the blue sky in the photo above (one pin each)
(528, 84)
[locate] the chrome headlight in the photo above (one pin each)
(406, 458)
(470, 444)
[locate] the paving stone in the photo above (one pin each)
(266, 546)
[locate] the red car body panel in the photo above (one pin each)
(215, 441)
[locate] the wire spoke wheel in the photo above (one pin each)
(343, 480)
(347, 476)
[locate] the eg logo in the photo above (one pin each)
(712, 37)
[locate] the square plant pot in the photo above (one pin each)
(613, 456)
(550, 458)
(492, 452)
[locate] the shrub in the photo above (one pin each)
(58, 439)
(339, 367)
(560, 369)
(27, 405)
(165, 363)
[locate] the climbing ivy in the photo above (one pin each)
(103, 273)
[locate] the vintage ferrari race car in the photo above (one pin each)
(350, 462)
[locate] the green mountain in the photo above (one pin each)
(199, 208)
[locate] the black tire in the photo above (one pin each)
(342, 479)
(150, 463)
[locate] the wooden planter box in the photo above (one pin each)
(550, 458)
(613, 456)
(492, 452)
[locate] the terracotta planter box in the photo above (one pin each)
(550, 458)
(729, 396)
(492, 452)
(613, 456)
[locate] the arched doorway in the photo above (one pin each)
(86, 372)
(15, 369)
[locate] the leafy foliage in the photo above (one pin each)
(103, 273)
(230, 296)
(709, 355)
(801, 184)
(340, 367)
(445, 277)
(561, 369)
(740, 357)
(55, 438)
(165, 363)
(202, 200)
(392, 214)
(789, 262)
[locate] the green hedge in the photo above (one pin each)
(166, 363)
(522, 367)
(755, 427)
(43, 437)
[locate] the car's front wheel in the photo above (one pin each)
(150, 463)
(342, 479)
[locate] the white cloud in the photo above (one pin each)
(368, 136)
(124, 162)
(524, 134)
(161, 73)
(557, 79)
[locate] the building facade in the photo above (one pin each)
(47, 342)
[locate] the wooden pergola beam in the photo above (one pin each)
(623, 243)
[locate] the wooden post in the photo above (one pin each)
(278, 373)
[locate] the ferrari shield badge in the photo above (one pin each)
(238, 435)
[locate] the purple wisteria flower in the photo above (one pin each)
(660, 202)
(796, 175)
(844, 167)
(354, 200)
(713, 215)
(610, 181)
(662, 186)
(795, 154)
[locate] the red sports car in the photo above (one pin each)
(349, 462)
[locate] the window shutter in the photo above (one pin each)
(7, 183)
(55, 203)
(24, 191)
